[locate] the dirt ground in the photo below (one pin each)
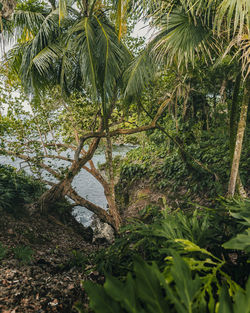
(49, 282)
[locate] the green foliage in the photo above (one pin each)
(78, 259)
(180, 288)
(17, 189)
(240, 210)
(164, 166)
(153, 236)
(191, 278)
(3, 251)
(23, 253)
(241, 301)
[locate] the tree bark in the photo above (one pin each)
(234, 116)
(8, 7)
(60, 190)
(100, 212)
(110, 194)
(239, 139)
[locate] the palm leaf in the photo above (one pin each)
(100, 54)
(27, 20)
(138, 74)
(43, 60)
(237, 13)
(121, 7)
(182, 38)
(62, 10)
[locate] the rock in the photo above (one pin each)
(102, 231)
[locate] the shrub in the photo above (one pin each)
(78, 259)
(240, 210)
(23, 253)
(153, 236)
(17, 189)
(179, 273)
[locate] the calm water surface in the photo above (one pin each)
(84, 183)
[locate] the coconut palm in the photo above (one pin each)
(79, 50)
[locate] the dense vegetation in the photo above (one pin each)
(189, 271)
(75, 79)
(17, 189)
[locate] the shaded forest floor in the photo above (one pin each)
(51, 280)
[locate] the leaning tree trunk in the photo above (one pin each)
(60, 190)
(233, 125)
(239, 139)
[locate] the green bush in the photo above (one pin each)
(166, 167)
(153, 236)
(17, 189)
(23, 253)
(78, 259)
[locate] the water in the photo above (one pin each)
(84, 183)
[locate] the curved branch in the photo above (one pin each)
(32, 160)
(129, 131)
(100, 212)
(97, 175)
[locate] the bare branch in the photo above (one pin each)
(32, 160)
(129, 131)
(100, 212)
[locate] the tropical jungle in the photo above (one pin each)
(124, 156)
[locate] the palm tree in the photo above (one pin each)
(82, 52)
(207, 29)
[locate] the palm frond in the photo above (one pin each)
(236, 13)
(82, 40)
(181, 38)
(100, 55)
(111, 58)
(28, 19)
(121, 8)
(48, 31)
(43, 60)
(139, 74)
(62, 10)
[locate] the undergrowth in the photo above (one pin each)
(169, 169)
(17, 189)
(177, 262)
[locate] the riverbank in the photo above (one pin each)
(41, 266)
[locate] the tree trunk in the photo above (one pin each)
(234, 116)
(60, 190)
(111, 195)
(239, 139)
(100, 212)
(223, 90)
(7, 8)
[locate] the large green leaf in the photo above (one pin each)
(100, 302)
(240, 242)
